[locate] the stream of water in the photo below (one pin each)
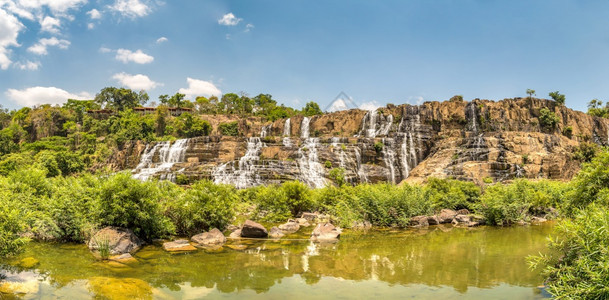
(441, 262)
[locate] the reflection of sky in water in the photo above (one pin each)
(464, 263)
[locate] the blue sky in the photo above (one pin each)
(377, 52)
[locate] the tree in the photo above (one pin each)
(548, 118)
(177, 100)
(120, 98)
(530, 92)
(311, 109)
(164, 99)
(559, 98)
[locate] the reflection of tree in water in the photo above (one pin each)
(481, 257)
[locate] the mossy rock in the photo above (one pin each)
(28, 263)
(119, 288)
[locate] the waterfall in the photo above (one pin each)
(389, 158)
(409, 156)
(264, 132)
(304, 128)
(478, 139)
(369, 124)
(386, 126)
(245, 176)
(168, 154)
(360, 167)
(311, 171)
(287, 131)
(370, 119)
(342, 156)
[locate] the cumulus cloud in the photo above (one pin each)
(9, 31)
(131, 8)
(43, 95)
(50, 24)
(28, 65)
(372, 105)
(229, 20)
(161, 40)
(137, 57)
(55, 6)
(198, 87)
(94, 14)
(105, 50)
(40, 48)
(249, 27)
(135, 82)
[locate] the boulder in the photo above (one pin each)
(325, 232)
(303, 222)
(461, 219)
(289, 227)
(232, 228)
(309, 216)
(119, 240)
(433, 220)
(276, 233)
(251, 229)
(235, 234)
(212, 237)
(364, 225)
(446, 216)
(538, 220)
(463, 211)
(178, 246)
(419, 221)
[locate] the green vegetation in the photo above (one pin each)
(595, 108)
(230, 129)
(548, 118)
(530, 92)
(558, 97)
(378, 146)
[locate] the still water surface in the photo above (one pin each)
(441, 262)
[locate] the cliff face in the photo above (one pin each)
(465, 140)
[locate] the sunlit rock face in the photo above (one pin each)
(474, 140)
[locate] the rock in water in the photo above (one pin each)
(433, 220)
(419, 221)
(325, 232)
(311, 217)
(447, 216)
(235, 234)
(120, 240)
(213, 237)
(178, 245)
(276, 233)
(290, 227)
(251, 229)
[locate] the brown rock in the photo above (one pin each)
(276, 233)
(235, 234)
(290, 227)
(251, 229)
(178, 246)
(120, 240)
(311, 217)
(419, 221)
(213, 237)
(123, 258)
(446, 216)
(325, 232)
(463, 211)
(303, 222)
(433, 220)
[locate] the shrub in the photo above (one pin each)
(278, 203)
(591, 181)
(11, 225)
(338, 176)
(127, 202)
(204, 206)
(452, 194)
(576, 267)
(378, 146)
(585, 151)
(568, 131)
(548, 118)
(328, 164)
(230, 129)
(559, 98)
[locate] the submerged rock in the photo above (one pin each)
(212, 237)
(28, 263)
(119, 240)
(303, 222)
(119, 288)
(538, 220)
(325, 232)
(123, 258)
(251, 229)
(276, 233)
(290, 227)
(178, 246)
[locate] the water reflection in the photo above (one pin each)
(439, 261)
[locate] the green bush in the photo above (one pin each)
(11, 225)
(127, 202)
(451, 194)
(548, 118)
(279, 203)
(576, 266)
(591, 181)
(203, 206)
(378, 146)
(230, 129)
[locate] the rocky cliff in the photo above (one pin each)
(473, 140)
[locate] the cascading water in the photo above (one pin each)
(287, 129)
(304, 128)
(360, 167)
(311, 171)
(478, 139)
(389, 158)
(168, 154)
(245, 176)
(264, 132)
(386, 125)
(342, 156)
(369, 124)
(410, 143)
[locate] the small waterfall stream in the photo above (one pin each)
(287, 131)
(311, 171)
(389, 158)
(370, 123)
(304, 128)
(478, 139)
(168, 155)
(245, 175)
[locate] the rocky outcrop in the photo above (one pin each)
(474, 140)
(210, 238)
(251, 229)
(118, 240)
(325, 232)
(178, 246)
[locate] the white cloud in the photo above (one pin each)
(198, 87)
(9, 31)
(162, 40)
(41, 47)
(137, 57)
(90, 26)
(56, 6)
(229, 20)
(105, 50)
(13, 8)
(249, 27)
(94, 14)
(135, 82)
(131, 8)
(50, 24)
(372, 105)
(43, 95)
(28, 65)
